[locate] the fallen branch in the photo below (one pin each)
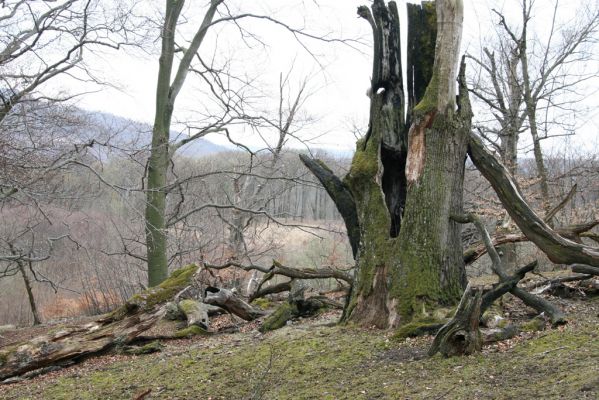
(572, 232)
(226, 299)
(297, 306)
(295, 273)
(278, 288)
(541, 305)
(565, 279)
(559, 249)
(585, 269)
(505, 286)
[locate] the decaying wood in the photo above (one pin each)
(585, 269)
(274, 289)
(499, 334)
(505, 286)
(541, 305)
(294, 273)
(559, 249)
(341, 196)
(572, 232)
(195, 312)
(297, 306)
(461, 335)
(118, 328)
(565, 279)
(228, 300)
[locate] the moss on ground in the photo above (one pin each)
(262, 303)
(147, 348)
(279, 317)
(418, 327)
(191, 331)
(338, 363)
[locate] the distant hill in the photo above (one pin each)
(125, 133)
(130, 134)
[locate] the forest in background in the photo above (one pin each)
(75, 183)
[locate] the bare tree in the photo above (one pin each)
(41, 136)
(535, 81)
(231, 110)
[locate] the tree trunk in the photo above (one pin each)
(155, 216)
(406, 176)
(36, 316)
(461, 335)
(161, 152)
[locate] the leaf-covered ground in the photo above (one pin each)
(316, 360)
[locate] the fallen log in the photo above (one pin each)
(297, 306)
(585, 269)
(228, 300)
(278, 288)
(195, 312)
(499, 334)
(118, 328)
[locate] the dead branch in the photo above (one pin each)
(555, 314)
(585, 269)
(118, 328)
(559, 249)
(226, 299)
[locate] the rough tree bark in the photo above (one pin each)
(407, 173)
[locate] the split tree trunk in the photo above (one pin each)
(407, 173)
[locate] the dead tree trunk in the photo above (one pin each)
(118, 328)
(407, 173)
(461, 335)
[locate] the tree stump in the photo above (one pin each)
(461, 335)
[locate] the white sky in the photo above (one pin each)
(339, 99)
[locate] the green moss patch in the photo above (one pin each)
(299, 362)
(418, 327)
(191, 331)
(279, 317)
(148, 348)
(262, 303)
(146, 300)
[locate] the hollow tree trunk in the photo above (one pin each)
(406, 176)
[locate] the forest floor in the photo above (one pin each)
(317, 359)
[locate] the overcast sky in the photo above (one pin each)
(339, 74)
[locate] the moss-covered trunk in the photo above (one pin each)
(407, 173)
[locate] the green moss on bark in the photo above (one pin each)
(149, 298)
(279, 317)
